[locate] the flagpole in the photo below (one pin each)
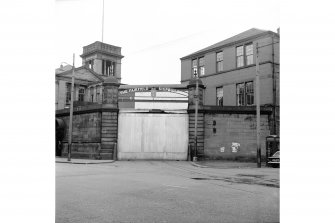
(103, 12)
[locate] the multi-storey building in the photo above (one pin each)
(228, 70)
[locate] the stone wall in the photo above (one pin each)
(108, 134)
(232, 136)
(86, 134)
(200, 133)
(86, 127)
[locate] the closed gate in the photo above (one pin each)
(152, 136)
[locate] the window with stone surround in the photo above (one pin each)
(198, 65)
(108, 68)
(245, 93)
(219, 96)
(68, 93)
(240, 56)
(97, 99)
(249, 52)
(81, 94)
(90, 64)
(244, 55)
(219, 61)
(194, 66)
(202, 66)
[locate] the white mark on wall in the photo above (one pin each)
(235, 147)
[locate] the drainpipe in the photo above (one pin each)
(196, 95)
(274, 88)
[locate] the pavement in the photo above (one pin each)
(82, 161)
(215, 164)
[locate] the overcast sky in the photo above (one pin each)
(155, 34)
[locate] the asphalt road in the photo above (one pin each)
(164, 191)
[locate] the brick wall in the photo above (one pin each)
(222, 130)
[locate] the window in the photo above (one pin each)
(108, 68)
(202, 66)
(219, 61)
(244, 53)
(199, 66)
(81, 94)
(245, 93)
(90, 64)
(219, 96)
(249, 93)
(240, 56)
(68, 93)
(98, 97)
(249, 51)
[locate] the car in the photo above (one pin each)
(274, 160)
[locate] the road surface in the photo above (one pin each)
(164, 191)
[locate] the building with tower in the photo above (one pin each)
(99, 62)
(211, 116)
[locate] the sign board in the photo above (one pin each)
(141, 89)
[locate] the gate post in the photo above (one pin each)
(196, 116)
(109, 118)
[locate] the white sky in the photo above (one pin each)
(155, 34)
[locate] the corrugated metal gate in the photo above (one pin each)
(156, 136)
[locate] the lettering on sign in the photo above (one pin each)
(141, 89)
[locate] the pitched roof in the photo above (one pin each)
(82, 73)
(62, 69)
(239, 37)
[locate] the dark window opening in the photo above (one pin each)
(81, 94)
(90, 64)
(108, 68)
(219, 96)
(68, 93)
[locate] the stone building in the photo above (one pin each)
(117, 121)
(227, 72)
(99, 61)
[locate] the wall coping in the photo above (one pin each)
(87, 109)
(232, 109)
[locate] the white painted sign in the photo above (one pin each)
(235, 147)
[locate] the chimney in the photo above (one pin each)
(278, 31)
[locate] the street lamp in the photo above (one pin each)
(196, 96)
(71, 116)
